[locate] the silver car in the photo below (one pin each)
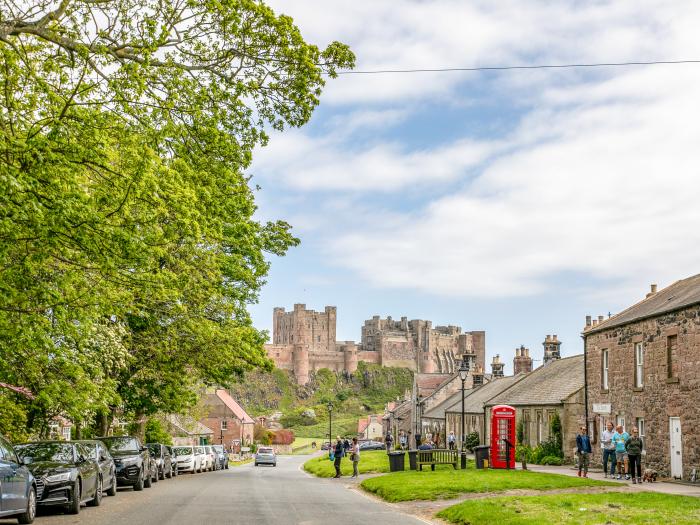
(187, 459)
(265, 456)
(202, 455)
(211, 457)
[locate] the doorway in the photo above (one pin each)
(676, 448)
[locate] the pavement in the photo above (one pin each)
(663, 487)
(242, 495)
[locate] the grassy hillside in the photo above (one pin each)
(304, 407)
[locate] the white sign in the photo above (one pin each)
(602, 408)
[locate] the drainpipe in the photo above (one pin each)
(585, 377)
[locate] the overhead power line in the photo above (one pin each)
(507, 68)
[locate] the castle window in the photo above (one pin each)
(318, 338)
(672, 356)
(604, 370)
(639, 365)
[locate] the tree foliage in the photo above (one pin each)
(129, 249)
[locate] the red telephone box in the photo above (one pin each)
(502, 437)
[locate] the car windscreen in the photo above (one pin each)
(265, 451)
(122, 444)
(199, 450)
(57, 452)
(183, 451)
(218, 448)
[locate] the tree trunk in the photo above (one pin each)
(140, 424)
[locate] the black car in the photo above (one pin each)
(17, 486)
(64, 474)
(173, 460)
(98, 451)
(135, 468)
(161, 455)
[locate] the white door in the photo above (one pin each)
(676, 448)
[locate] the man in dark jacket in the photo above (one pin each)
(339, 452)
(583, 449)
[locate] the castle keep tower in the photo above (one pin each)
(551, 348)
(522, 361)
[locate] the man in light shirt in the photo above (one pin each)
(606, 443)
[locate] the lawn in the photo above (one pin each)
(302, 445)
(449, 483)
(643, 508)
(370, 461)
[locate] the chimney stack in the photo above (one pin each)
(523, 361)
(497, 366)
(653, 290)
(588, 321)
(552, 350)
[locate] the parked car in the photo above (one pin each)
(211, 457)
(221, 456)
(160, 454)
(64, 473)
(265, 456)
(99, 453)
(18, 489)
(199, 451)
(132, 461)
(372, 445)
(173, 460)
(187, 459)
(326, 446)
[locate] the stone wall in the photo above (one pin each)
(665, 394)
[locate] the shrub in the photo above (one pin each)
(156, 433)
(262, 435)
(523, 453)
(282, 437)
(555, 433)
(471, 441)
(551, 460)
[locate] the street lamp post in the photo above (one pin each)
(330, 419)
(463, 373)
(418, 420)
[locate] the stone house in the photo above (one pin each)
(643, 370)
(474, 400)
(187, 431)
(230, 424)
(557, 387)
(370, 427)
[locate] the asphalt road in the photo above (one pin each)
(243, 495)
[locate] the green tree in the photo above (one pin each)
(126, 128)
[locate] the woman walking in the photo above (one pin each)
(355, 456)
(634, 446)
(583, 447)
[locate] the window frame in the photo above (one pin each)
(639, 365)
(224, 424)
(640, 424)
(605, 369)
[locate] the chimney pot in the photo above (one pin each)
(653, 288)
(595, 322)
(588, 320)
(601, 318)
(554, 337)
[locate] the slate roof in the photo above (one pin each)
(188, 426)
(474, 402)
(233, 406)
(438, 411)
(680, 294)
(546, 385)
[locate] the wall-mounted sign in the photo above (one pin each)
(602, 408)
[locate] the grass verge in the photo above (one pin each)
(449, 483)
(370, 461)
(643, 508)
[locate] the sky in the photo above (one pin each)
(515, 202)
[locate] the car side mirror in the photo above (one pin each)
(144, 449)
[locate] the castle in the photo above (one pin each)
(304, 341)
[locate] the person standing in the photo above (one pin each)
(388, 441)
(583, 448)
(355, 456)
(634, 446)
(619, 439)
(346, 446)
(403, 440)
(608, 447)
(451, 440)
(339, 452)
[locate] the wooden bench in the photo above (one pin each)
(436, 456)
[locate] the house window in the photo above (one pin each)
(672, 356)
(66, 433)
(604, 370)
(620, 421)
(539, 427)
(640, 426)
(639, 365)
(224, 424)
(526, 426)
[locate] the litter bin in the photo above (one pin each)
(481, 455)
(396, 461)
(412, 463)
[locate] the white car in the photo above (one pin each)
(202, 455)
(187, 459)
(211, 457)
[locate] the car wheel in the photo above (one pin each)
(28, 515)
(256, 464)
(147, 482)
(74, 505)
(95, 502)
(138, 486)
(112, 490)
